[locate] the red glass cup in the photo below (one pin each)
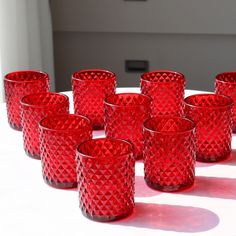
(90, 88)
(125, 114)
(59, 137)
(35, 107)
(166, 88)
(213, 117)
(225, 84)
(169, 153)
(18, 84)
(105, 169)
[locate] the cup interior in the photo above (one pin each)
(93, 75)
(23, 76)
(208, 100)
(163, 76)
(105, 148)
(44, 99)
(169, 124)
(227, 77)
(65, 122)
(127, 99)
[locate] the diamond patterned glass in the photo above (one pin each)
(225, 84)
(34, 107)
(166, 88)
(59, 137)
(125, 114)
(18, 84)
(105, 170)
(213, 117)
(90, 87)
(169, 153)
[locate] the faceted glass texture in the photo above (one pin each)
(105, 169)
(90, 88)
(166, 88)
(125, 114)
(59, 137)
(225, 84)
(18, 84)
(34, 107)
(213, 117)
(169, 153)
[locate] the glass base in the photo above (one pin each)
(234, 129)
(211, 158)
(107, 218)
(33, 155)
(15, 127)
(172, 188)
(61, 185)
(98, 127)
(139, 157)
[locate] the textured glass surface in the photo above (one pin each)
(225, 84)
(105, 169)
(90, 88)
(125, 114)
(18, 84)
(166, 88)
(59, 137)
(34, 107)
(213, 117)
(169, 153)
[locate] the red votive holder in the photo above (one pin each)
(169, 153)
(125, 114)
(105, 169)
(59, 137)
(225, 84)
(18, 84)
(166, 88)
(34, 107)
(90, 88)
(213, 117)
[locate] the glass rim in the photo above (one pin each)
(113, 75)
(48, 105)
(130, 152)
(88, 126)
(191, 129)
(229, 103)
(163, 71)
(218, 79)
(148, 100)
(45, 76)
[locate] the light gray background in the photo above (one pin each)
(197, 38)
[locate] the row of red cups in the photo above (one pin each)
(170, 143)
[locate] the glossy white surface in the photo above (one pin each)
(30, 207)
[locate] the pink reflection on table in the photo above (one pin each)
(177, 218)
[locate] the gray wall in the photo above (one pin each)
(197, 38)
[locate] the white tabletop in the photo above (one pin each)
(30, 207)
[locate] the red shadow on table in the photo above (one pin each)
(230, 161)
(98, 133)
(142, 190)
(205, 164)
(171, 218)
(215, 187)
